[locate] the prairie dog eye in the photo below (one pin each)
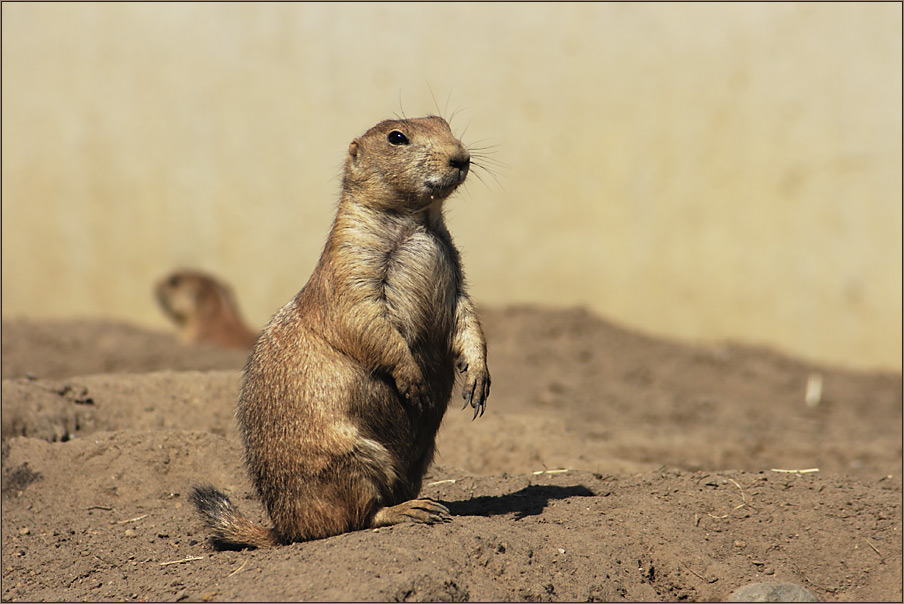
(397, 138)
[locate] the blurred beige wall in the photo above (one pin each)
(707, 172)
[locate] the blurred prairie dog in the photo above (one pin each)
(346, 388)
(204, 309)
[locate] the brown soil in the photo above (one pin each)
(609, 466)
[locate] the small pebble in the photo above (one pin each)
(772, 592)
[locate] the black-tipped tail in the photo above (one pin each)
(230, 528)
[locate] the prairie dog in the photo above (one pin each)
(346, 387)
(204, 309)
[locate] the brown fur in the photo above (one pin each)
(346, 388)
(204, 309)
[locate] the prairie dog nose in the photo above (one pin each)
(461, 161)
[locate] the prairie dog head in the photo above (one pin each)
(186, 296)
(406, 164)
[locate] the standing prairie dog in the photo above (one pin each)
(346, 387)
(204, 309)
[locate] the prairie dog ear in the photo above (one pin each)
(353, 152)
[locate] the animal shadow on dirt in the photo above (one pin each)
(529, 501)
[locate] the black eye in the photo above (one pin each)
(397, 138)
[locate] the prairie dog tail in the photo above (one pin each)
(229, 526)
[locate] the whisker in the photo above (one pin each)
(402, 109)
(477, 147)
(446, 107)
(454, 113)
(486, 161)
(480, 178)
(478, 168)
(465, 131)
(488, 152)
(433, 96)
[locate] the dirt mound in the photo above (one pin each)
(609, 466)
(51, 349)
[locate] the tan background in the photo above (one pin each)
(702, 171)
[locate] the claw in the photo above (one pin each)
(430, 505)
(475, 391)
(483, 406)
(468, 395)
